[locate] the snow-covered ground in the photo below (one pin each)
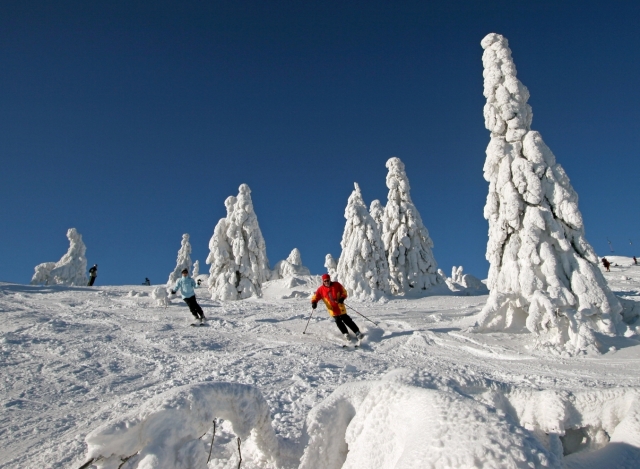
(421, 392)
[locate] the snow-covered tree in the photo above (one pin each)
(331, 265)
(362, 268)
(377, 213)
(543, 273)
(406, 240)
(69, 270)
(290, 267)
(183, 261)
(238, 253)
(196, 269)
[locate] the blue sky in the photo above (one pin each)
(133, 121)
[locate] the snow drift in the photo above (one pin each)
(69, 270)
(543, 273)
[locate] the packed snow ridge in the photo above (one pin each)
(543, 273)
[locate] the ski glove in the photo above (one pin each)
(173, 292)
(314, 305)
(341, 300)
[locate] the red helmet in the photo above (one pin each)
(326, 277)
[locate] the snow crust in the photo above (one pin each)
(543, 274)
(290, 267)
(406, 239)
(237, 252)
(183, 261)
(362, 267)
(69, 270)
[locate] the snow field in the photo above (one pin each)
(76, 361)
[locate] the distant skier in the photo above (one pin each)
(147, 281)
(186, 285)
(606, 264)
(635, 261)
(93, 273)
(333, 294)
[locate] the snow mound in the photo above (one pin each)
(543, 273)
(183, 261)
(290, 267)
(299, 286)
(393, 425)
(161, 297)
(464, 284)
(69, 270)
(164, 433)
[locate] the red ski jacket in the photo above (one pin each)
(330, 295)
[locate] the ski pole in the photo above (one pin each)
(360, 314)
(305, 327)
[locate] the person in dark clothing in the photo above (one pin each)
(635, 261)
(147, 281)
(93, 273)
(333, 294)
(606, 264)
(186, 286)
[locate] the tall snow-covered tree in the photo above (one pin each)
(69, 270)
(238, 253)
(362, 268)
(543, 273)
(406, 239)
(196, 269)
(290, 267)
(183, 261)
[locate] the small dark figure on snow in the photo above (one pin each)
(186, 285)
(606, 264)
(199, 281)
(93, 273)
(333, 294)
(147, 281)
(635, 261)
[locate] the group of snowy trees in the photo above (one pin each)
(385, 250)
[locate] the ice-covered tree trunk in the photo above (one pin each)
(406, 240)
(196, 269)
(183, 261)
(70, 269)
(543, 273)
(362, 268)
(238, 253)
(331, 265)
(290, 267)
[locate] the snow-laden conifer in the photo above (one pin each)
(362, 268)
(543, 272)
(69, 270)
(290, 267)
(196, 269)
(183, 261)
(377, 213)
(331, 265)
(406, 239)
(238, 253)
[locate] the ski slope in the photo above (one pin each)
(422, 391)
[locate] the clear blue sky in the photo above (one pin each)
(133, 121)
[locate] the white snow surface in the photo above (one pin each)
(103, 372)
(183, 261)
(362, 269)
(71, 269)
(237, 251)
(544, 275)
(290, 267)
(406, 239)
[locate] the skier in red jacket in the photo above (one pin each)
(333, 294)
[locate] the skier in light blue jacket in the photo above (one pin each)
(186, 286)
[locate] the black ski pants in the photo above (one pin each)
(91, 280)
(194, 307)
(345, 320)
